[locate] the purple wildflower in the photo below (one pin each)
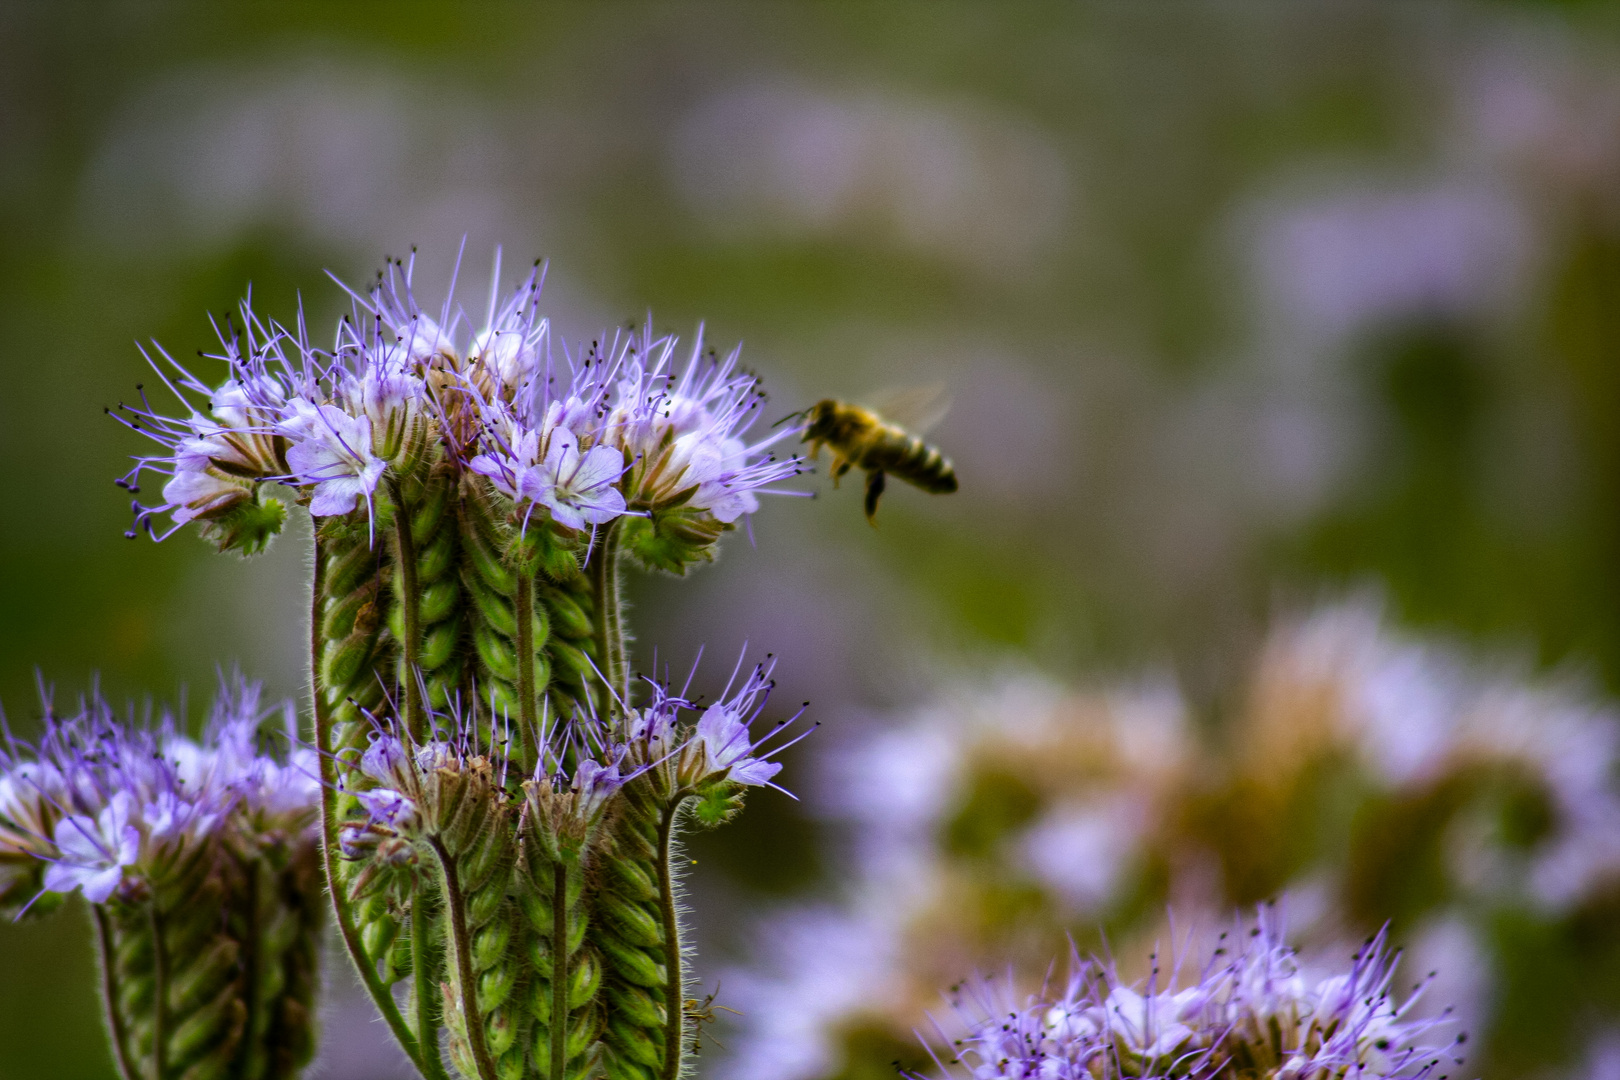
(721, 746)
(612, 431)
(331, 450)
(1252, 1014)
(114, 807)
(682, 433)
(93, 853)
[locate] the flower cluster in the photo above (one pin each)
(623, 427)
(585, 760)
(990, 823)
(113, 809)
(1251, 1013)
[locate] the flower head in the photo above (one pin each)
(681, 431)
(582, 440)
(1250, 1013)
(721, 746)
(115, 808)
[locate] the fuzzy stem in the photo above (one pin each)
(427, 994)
(109, 996)
(559, 971)
(528, 722)
(160, 995)
(462, 941)
(610, 634)
(674, 999)
(380, 997)
(411, 603)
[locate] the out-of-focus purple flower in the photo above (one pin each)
(1250, 1013)
(93, 853)
(388, 807)
(594, 783)
(110, 804)
(386, 760)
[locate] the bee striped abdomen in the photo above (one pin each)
(907, 457)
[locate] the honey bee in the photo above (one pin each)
(861, 438)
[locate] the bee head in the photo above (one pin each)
(815, 418)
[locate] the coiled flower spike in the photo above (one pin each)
(562, 953)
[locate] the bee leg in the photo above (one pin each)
(874, 492)
(840, 467)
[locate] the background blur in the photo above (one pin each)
(1285, 349)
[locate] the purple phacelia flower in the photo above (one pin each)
(93, 853)
(721, 745)
(114, 806)
(611, 430)
(1250, 1013)
(682, 433)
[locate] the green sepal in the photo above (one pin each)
(718, 803)
(439, 644)
(630, 920)
(632, 963)
(585, 979)
(425, 519)
(567, 616)
(439, 600)
(645, 1046)
(621, 1068)
(248, 526)
(437, 557)
(672, 539)
(636, 1005)
(633, 880)
(485, 559)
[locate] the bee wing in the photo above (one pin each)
(915, 408)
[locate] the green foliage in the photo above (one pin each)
(566, 971)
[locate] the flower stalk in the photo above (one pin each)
(498, 804)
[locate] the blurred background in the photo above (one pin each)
(1284, 344)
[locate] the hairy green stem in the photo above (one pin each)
(367, 969)
(411, 604)
(427, 991)
(528, 724)
(674, 999)
(559, 971)
(605, 590)
(462, 940)
(160, 994)
(109, 996)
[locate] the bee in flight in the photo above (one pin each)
(861, 438)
